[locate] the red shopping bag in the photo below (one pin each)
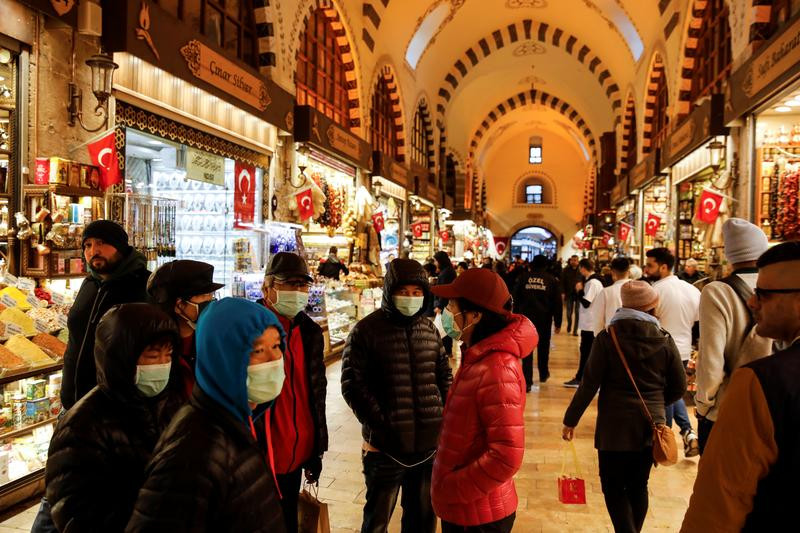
(571, 490)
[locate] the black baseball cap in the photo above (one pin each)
(286, 265)
(182, 278)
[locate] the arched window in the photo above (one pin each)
(712, 60)
(535, 191)
(420, 140)
(533, 194)
(320, 76)
(659, 96)
(382, 132)
(631, 147)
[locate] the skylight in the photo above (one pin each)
(613, 10)
(429, 27)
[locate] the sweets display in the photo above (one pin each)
(47, 316)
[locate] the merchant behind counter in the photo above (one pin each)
(332, 268)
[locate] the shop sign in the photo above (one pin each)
(776, 62)
(313, 127)
(704, 122)
(644, 171)
(205, 167)
(63, 10)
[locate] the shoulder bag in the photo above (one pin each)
(665, 451)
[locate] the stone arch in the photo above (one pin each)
(519, 226)
(424, 110)
(373, 12)
(347, 49)
(549, 191)
(388, 74)
(264, 15)
(629, 131)
(528, 31)
(533, 96)
(656, 73)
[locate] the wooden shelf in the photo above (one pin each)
(31, 372)
(63, 190)
(13, 434)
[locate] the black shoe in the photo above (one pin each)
(543, 379)
(528, 388)
(573, 383)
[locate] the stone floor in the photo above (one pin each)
(342, 484)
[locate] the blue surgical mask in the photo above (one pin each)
(408, 305)
(449, 325)
(152, 379)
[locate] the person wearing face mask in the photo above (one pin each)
(208, 472)
(297, 419)
(395, 377)
(483, 428)
(183, 288)
(100, 448)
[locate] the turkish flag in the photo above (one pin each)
(444, 235)
(417, 229)
(624, 231)
(652, 224)
(103, 153)
(305, 203)
(244, 197)
(377, 221)
(708, 206)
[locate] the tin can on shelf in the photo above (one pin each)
(18, 410)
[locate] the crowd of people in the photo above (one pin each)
(188, 413)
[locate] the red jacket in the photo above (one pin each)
(483, 433)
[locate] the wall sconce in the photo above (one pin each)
(377, 186)
(103, 68)
(716, 149)
(302, 177)
(414, 199)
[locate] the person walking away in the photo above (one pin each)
(623, 435)
(395, 377)
(728, 339)
(586, 294)
(298, 427)
(690, 274)
(332, 268)
(105, 441)
(488, 263)
(183, 289)
(538, 297)
(207, 472)
(747, 478)
(501, 269)
(606, 277)
(446, 275)
(678, 310)
(609, 299)
(570, 278)
(483, 430)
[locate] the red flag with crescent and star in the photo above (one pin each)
(305, 203)
(377, 221)
(652, 224)
(444, 235)
(103, 153)
(417, 230)
(708, 206)
(624, 231)
(244, 197)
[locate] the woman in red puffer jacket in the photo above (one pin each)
(482, 438)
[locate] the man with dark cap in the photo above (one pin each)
(297, 420)
(395, 377)
(117, 275)
(183, 289)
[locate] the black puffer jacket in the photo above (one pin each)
(100, 448)
(127, 284)
(395, 374)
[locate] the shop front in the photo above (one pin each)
(770, 106)
(624, 207)
(694, 155)
(390, 187)
(654, 224)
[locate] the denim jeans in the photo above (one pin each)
(384, 478)
(678, 411)
(43, 523)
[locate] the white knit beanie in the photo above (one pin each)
(743, 241)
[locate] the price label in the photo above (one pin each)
(58, 298)
(26, 284)
(13, 329)
(10, 279)
(34, 301)
(8, 301)
(62, 320)
(41, 326)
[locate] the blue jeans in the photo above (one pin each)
(43, 523)
(678, 411)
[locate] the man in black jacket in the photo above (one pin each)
(297, 419)
(395, 377)
(117, 274)
(538, 297)
(447, 274)
(570, 277)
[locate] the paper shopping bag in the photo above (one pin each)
(312, 514)
(571, 489)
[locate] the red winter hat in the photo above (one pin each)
(480, 286)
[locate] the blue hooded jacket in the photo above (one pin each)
(225, 334)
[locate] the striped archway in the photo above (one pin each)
(373, 12)
(526, 32)
(424, 111)
(629, 139)
(265, 32)
(655, 79)
(387, 74)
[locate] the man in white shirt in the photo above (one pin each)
(678, 309)
(727, 337)
(609, 299)
(587, 293)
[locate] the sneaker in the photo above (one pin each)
(691, 448)
(573, 384)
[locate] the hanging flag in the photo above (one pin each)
(378, 222)
(708, 206)
(444, 235)
(652, 224)
(417, 230)
(305, 203)
(103, 153)
(624, 231)
(501, 245)
(244, 197)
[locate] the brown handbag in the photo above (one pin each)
(665, 450)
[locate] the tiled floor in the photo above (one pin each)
(342, 483)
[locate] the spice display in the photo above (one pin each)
(15, 316)
(27, 350)
(50, 345)
(10, 361)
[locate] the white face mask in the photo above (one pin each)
(265, 381)
(290, 303)
(408, 305)
(152, 379)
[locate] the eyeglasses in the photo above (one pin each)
(763, 293)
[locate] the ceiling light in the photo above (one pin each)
(783, 109)
(792, 103)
